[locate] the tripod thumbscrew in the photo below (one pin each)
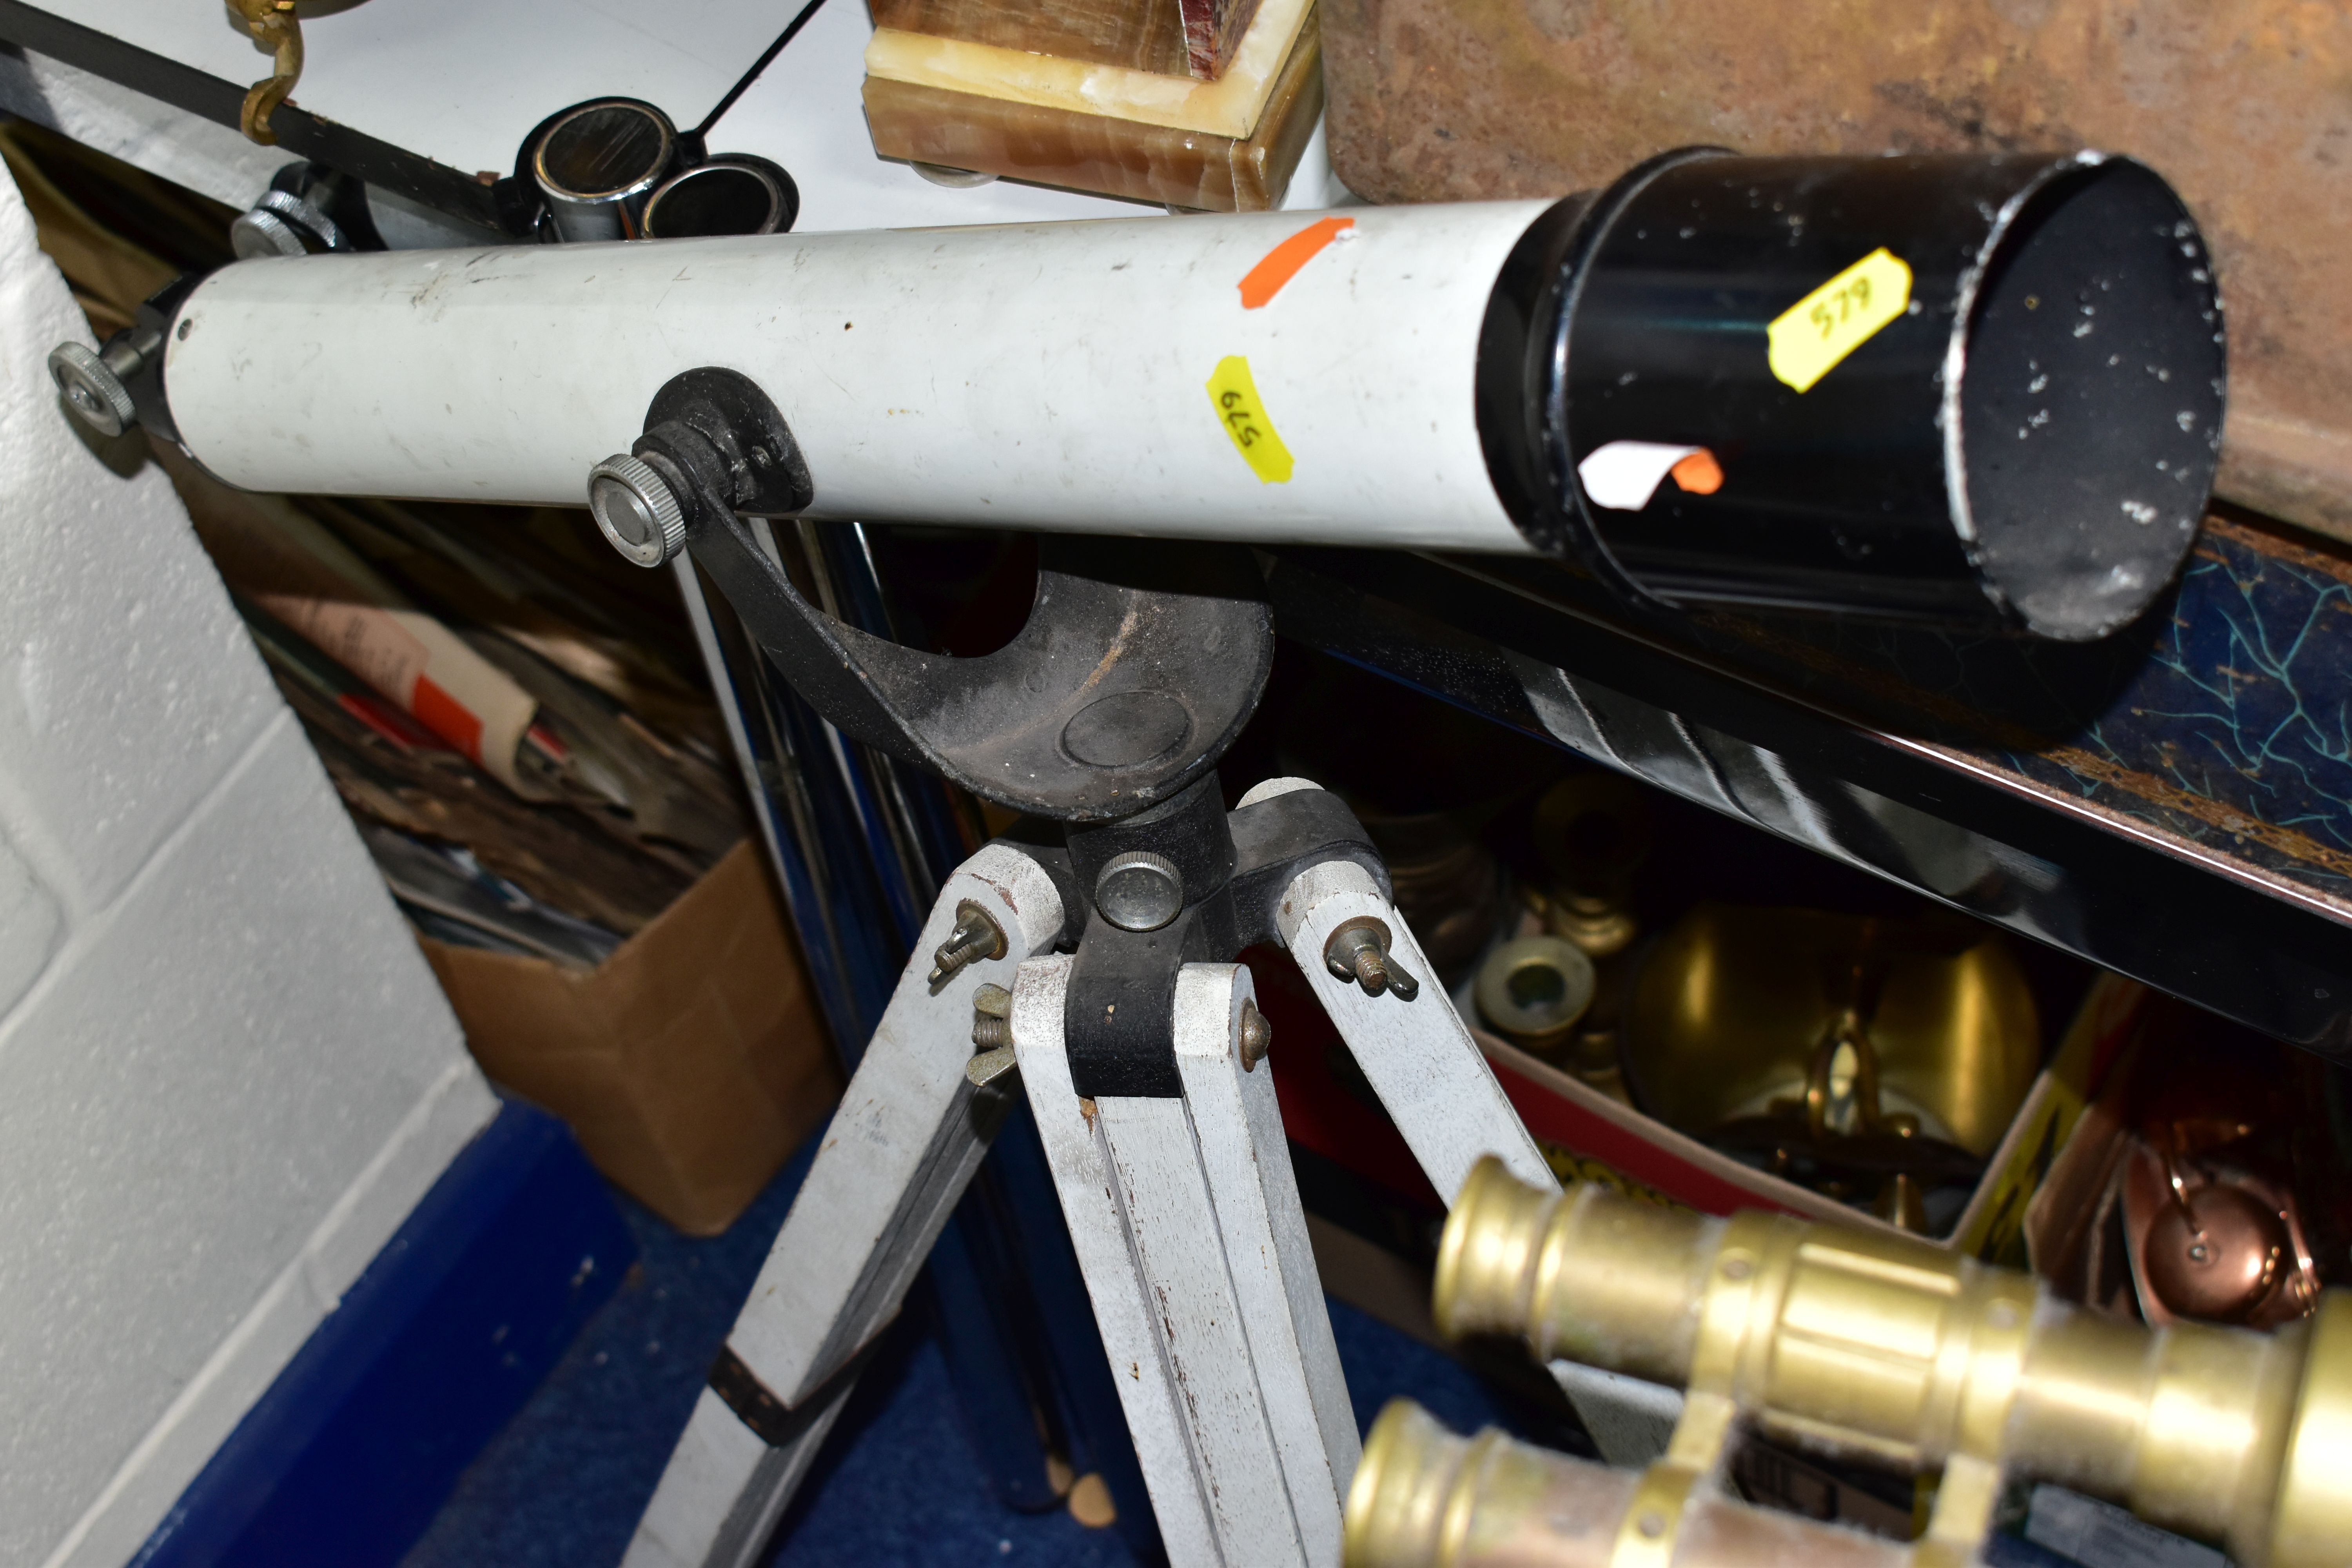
(976, 936)
(1359, 951)
(1257, 1036)
(988, 1065)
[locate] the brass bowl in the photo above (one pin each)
(1730, 1010)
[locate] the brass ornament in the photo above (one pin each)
(277, 28)
(1592, 831)
(1424, 1497)
(1881, 1058)
(1534, 990)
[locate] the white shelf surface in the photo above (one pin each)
(462, 82)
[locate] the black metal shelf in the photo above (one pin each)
(1823, 735)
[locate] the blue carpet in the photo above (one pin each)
(900, 1485)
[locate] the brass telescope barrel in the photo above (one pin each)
(1887, 1350)
(1424, 1497)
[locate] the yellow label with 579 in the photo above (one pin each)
(1812, 335)
(1243, 414)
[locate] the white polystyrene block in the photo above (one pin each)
(202, 1079)
(1631, 1421)
(30, 924)
(127, 684)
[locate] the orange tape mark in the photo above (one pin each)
(1698, 474)
(1283, 262)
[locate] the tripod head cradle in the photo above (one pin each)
(1139, 664)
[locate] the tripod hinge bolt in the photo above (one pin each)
(1140, 890)
(976, 936)
(1257, 1036)
(1359, 951)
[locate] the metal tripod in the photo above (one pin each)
(1180, 1204)
(1098, 976)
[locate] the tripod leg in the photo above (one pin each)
(725, 1486)
(898, 1154)
(1428, 1072)
(1417, 1054)
(1237, 1128)
(1087, 1183)
(1171, 1218)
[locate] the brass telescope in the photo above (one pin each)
(1867, 1347)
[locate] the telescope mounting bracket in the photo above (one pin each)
(1139, 664)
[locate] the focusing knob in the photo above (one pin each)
(636, 509)
(283, 224)
(92, 391)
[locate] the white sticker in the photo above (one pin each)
(1624, 475)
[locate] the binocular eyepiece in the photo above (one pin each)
(1877, 1349)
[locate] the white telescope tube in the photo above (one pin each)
(1277, 377)
(1820, 383)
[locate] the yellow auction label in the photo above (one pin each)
(1243, 417)
(1813, 334)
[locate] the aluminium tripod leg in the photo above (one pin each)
(1237, 1127)
(1187, 1227)
(1068, 1127)
(896, 1157)
(1437, 1086)
(1417, 1054)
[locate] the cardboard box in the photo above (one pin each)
(689, 1065)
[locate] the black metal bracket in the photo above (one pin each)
(1139, 664)
(1116, 1013)
(139, 347)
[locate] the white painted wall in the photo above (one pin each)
(225, 1073)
